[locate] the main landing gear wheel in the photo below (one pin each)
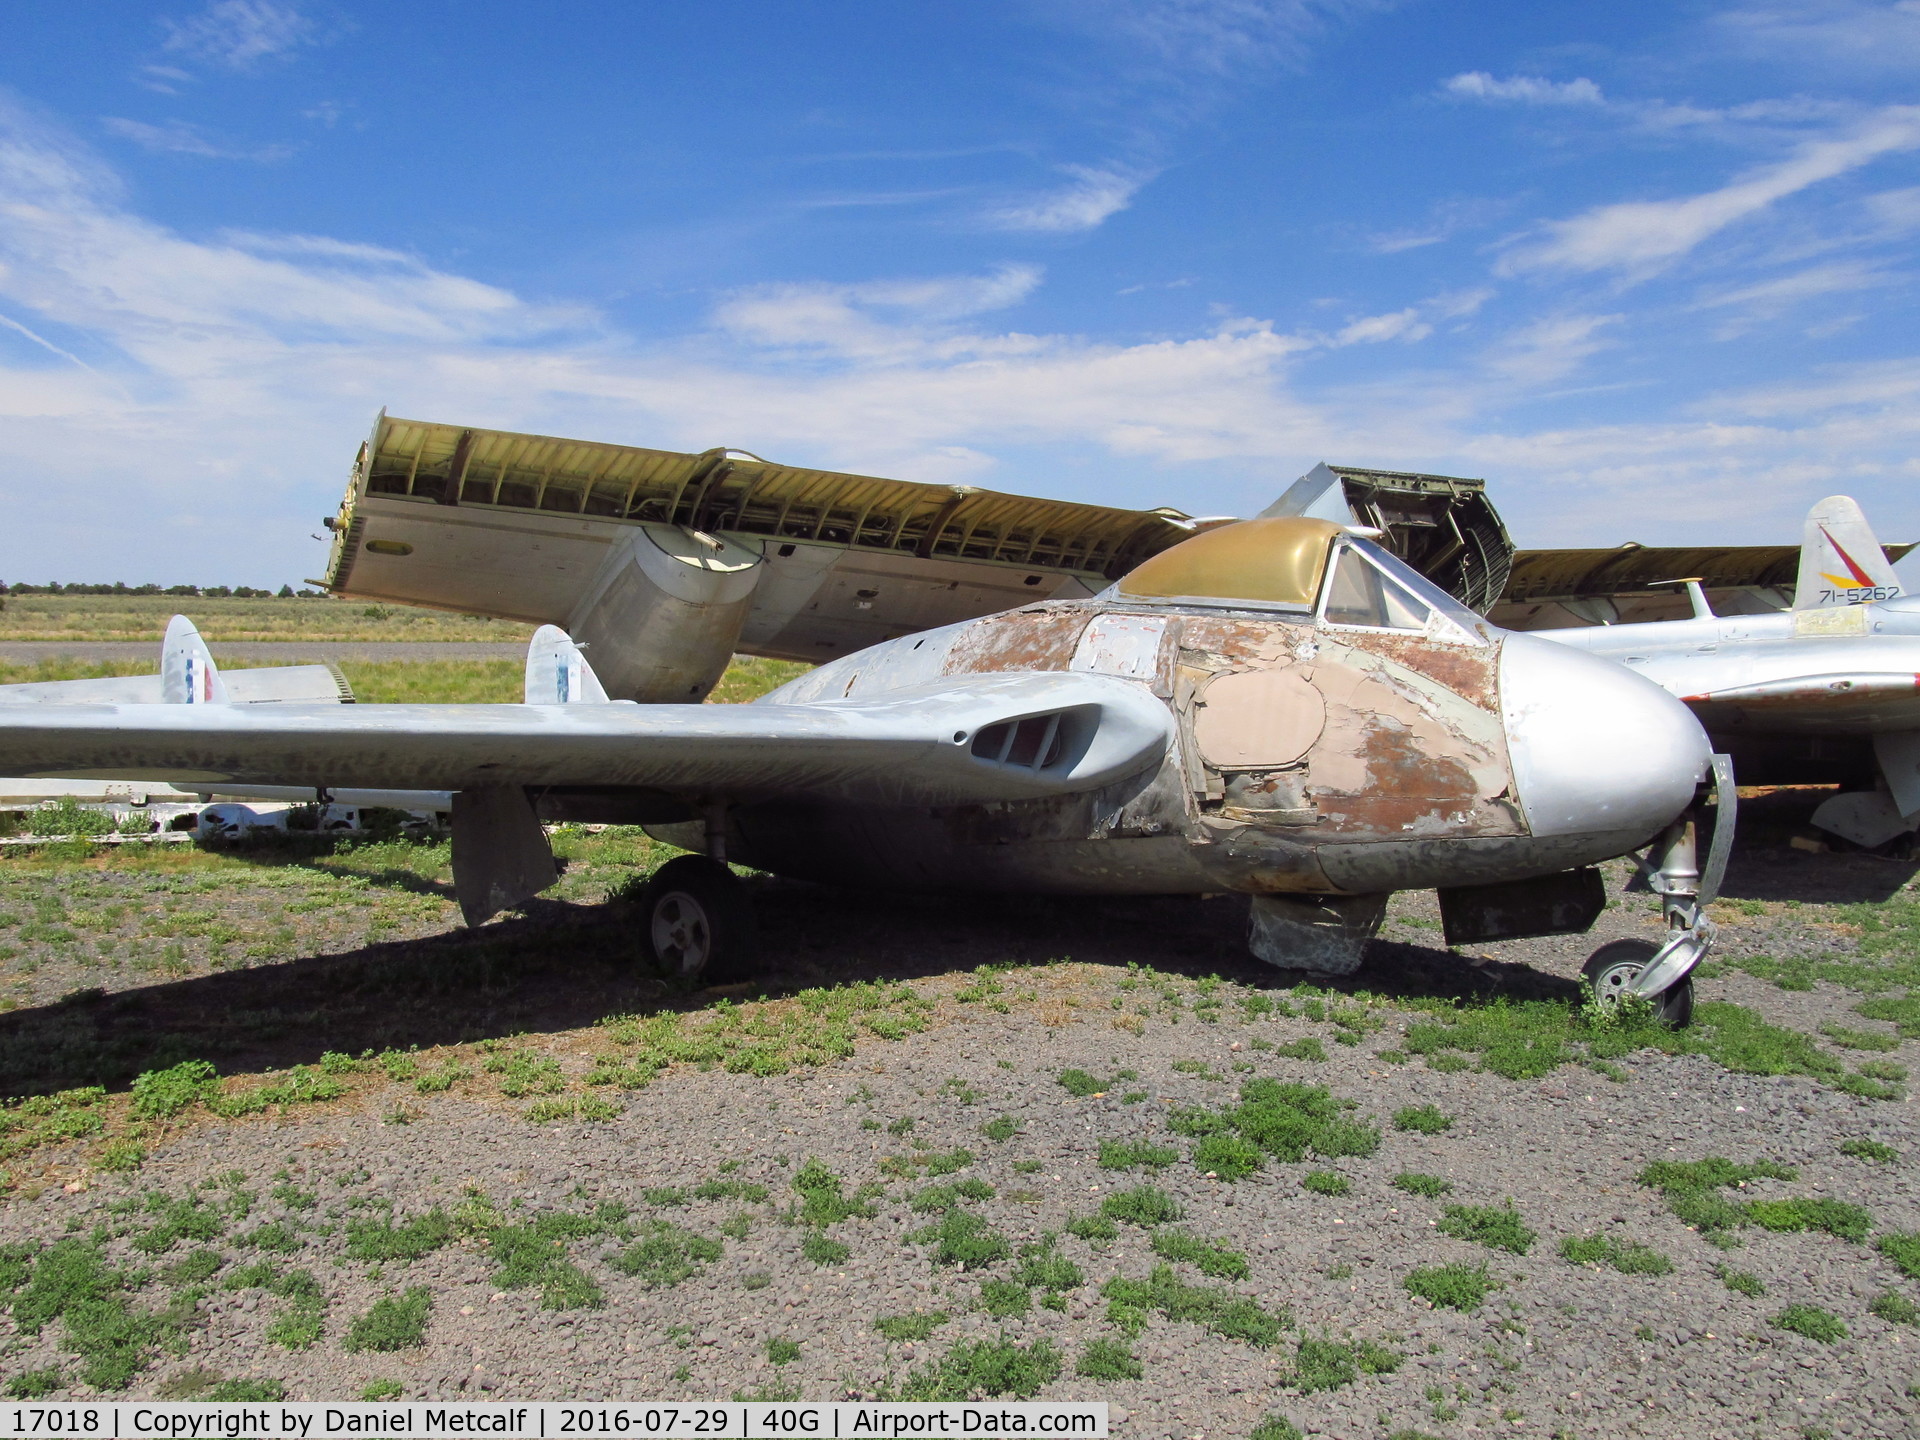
(696, 920)
(1613, 968)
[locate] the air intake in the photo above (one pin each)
(1031, 744)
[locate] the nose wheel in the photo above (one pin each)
(696, 920)
(1613, 968)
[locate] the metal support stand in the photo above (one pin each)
(713, 815)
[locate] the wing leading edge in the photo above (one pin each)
(969, 739)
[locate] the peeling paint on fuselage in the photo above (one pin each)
(1412, 752)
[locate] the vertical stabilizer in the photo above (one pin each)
(558, 674)
(188, 675)
(1840, 561)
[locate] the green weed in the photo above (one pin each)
(394, 1323)
(1326, 1182)
(1135, 1154)
(1414, 1183)
(1324, 1364)
(1625, 1256)
(1206, 1256)
(1498, 1228)
(918, 1326)
(1836, 1217)
(1810, 1321)
(1227, 1157)
(1288, 1121)
(1143, 1205)
(782, 1352)
(935, 1198)
(162, 1094)
(821, 1251)
(1454, 1287)
(1869, 1150)
(1741, 1282)
(1903, 1249)
(822, 1202)
(1308, 1047)
(381, 1240)
(1080, 1083)
(1235, 1317)
(1425, 1119)
(986, 1368)
(664, 1254)
(534, 1255)
(1005, 1298)
(1108, 1360)
(1895, 1309)
(1000, 1129)
(963, 1239)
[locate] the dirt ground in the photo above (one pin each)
(950, 1145)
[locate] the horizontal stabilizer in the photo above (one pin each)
(1840, 561)
(937, 744)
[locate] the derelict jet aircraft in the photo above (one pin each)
(1826, 690)
(1276, 707)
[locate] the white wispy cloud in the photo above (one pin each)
(239, 34)
(1094, 195)
(177, 137)
(1641, 236)
(1770, 297)
(233, 374)
(1215, 36)
(1523, 89)
(1856, 35)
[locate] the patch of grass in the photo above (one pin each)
(534, 1255)
(1094, 1229)
(822, 1201)
(964, 1240)
(393, 1323)
(730, 1190)
(1454, 1287)
(1042, 1267)
(1625, 1256)
(1836, 1217)
(781, 1351)
(1415, 1183)
(1235, 1317)
(918, 1326)
(523, 1073)
(1308, 1047)
(1326, 1182)
(1810, 1321)
(1741, 1282)
(1691, 1189)
(812, 1027)
(191, 1270)
(1005, 1298)
(1143, 1205)
(1135, 1154)
(32, 1384)
(1324, 1364)
(1288, 1121)
(935, 1198)
(821, 1251)
(986, 1368)
(1859, 1039)
(1227, 1157)
(664, 1254)
(382, 1390)
(1496, 1227)
(1206, 1256)
(1278, 1427)
(280, 1236)
(184, 1218)
(261, 1388)
(1869, 1150)
(1108, 1360)
(1903, 1249)
(1425, 1119)
(1000, 1129)
(382, 1241)
(1894, 1308)
(1080, 1083)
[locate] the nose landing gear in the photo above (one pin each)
(1662, 975)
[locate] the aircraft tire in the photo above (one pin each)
(696, 921)
(1615, 966)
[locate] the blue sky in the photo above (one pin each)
(1646, 267)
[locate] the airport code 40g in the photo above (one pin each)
(305, 1420)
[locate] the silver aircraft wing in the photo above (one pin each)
(967, 739)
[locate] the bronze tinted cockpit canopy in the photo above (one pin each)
(1277, 562)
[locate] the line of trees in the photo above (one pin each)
(204, 592)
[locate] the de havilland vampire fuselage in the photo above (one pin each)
(1275, 707)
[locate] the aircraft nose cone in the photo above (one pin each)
(1596, 748)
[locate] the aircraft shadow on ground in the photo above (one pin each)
(566, 966)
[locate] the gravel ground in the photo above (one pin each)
(584, 1258)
